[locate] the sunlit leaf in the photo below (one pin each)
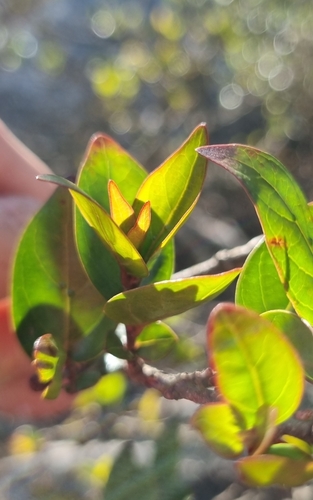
(267, 470)
(168, 298)
(109, 390)
(104, 160)
(111, 235)
(284, 215)
(220, 429)
(250, 356)
(299, 334)
(138, 232)
(155, 341)
(45, 354)
(173, 190)
(298, 443)
(259, 287)
(121, 211)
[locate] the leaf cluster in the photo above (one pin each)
(101, 253)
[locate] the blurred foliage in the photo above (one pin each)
(149, 69)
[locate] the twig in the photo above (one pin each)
(196, 386)
(223, 260)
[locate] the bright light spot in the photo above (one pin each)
(151, 120)
(103, 24)
(24, 44)
(256, 21)
(120, 122)
(282, 79)
(285, 43)
(269, 63)
(231, 96)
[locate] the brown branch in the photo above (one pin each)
(223, 260)
(302, 429)
(196, 386)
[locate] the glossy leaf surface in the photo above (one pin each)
(139, 231)
(172, 189)
(299, 334)
(266, 470)
(120, 210)
(104, 160)
(168, 298)
(284, 215)
(51, 293)
(155, 341)
(111, 235)
(220, 429)
(250, 356)
(259, 287)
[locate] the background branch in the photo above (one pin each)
(223, 260)
(196, 386)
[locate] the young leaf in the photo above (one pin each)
(284, 215)
(155, 341)
(259, 287)
(121, 211)
(173, 190)
(267, 470)
(298, 333)
(158, 301)
(250, 356)
(111, 235)
(104, 160)
(51, 292)
(138, 232)
(220, 429)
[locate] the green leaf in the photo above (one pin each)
(298, 443)
(298, 333)
(155, 341)
(104, 160)
(161, 265)
(220, 429)
(284, 215)
(250, 356)
(51, 293)
(111, 235)
(173, 190)
(167, 298)
(267, 470)
(259, 287)
(288, 450)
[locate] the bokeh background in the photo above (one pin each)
(147, 72)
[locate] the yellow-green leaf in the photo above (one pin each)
(173, 190)
(220, 429)
(284, 215)
(250, 356)
(121, 211)
(166, 298)
(111, 235)
(138, 232)
(267, 470)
